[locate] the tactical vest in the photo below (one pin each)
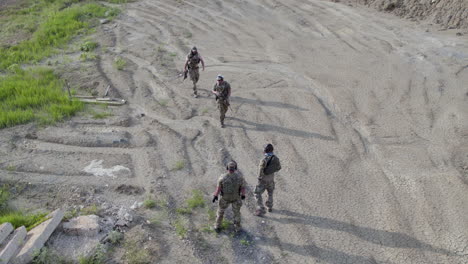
(194, 60)
(223, 90)
(231, 184)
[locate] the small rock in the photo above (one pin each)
(136, 205)
(121, 223)
(148, 222)
(128, 217)
(263, 222)
(104, 21)
(459, 34)
(86, 225)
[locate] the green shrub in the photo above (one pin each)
(115, 237)
(149, 203)
(88, 46)
(120, 63)
(135, 254)
(90, 210)
(48, 256)
(196, 200)
(180, 228)
(180, 164)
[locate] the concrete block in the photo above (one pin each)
(37, 237)
(5, 230)
(86, 225)
(13, 245)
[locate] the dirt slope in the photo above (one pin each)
(367, 112)
(447, 13)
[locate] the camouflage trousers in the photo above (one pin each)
(260, 189)
(223, 107)
(194, 76)
(223, 204)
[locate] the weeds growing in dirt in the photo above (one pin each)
(90, 210)
(15, 217)
(211, 215)
(99, 256)
(135, 254)
(204, 111)
(149, 203)
(163, 102)
(183, 210)
(225, 224)
(180, 227)
(180, 164)
(88, 46)
(120, 63)
(10, 168)
(172, 54)
(245, 242)
(34, 95)
(48, 256)
(196, 200)
(88, 56)
(115, 237)
(187, 34)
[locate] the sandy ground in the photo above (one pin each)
(367, 112)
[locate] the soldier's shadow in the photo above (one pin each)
(266, 103)
(376, 236)
(278, 129)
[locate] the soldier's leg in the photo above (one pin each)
(222, 113)
(269, 203)
(194, 76)
(259, 189)
(222, 205)
(236, 206)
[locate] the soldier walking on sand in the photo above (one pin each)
(266, 179)
(231, 186)
(222, 90)
(191, 65)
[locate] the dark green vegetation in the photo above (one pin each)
(29, 34)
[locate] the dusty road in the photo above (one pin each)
(367, 112)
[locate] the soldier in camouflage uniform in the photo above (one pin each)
(191, 65)
(222, 90)
(266, 179)
(231, 186)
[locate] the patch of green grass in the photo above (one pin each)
(90, 210)
(225, 224)
(115, 237)
(161, 49)
(10, 168)
(184, 210)
(99, 256)
(181, 229)
(149, 203)
(120, 63)
(18, 218)
(245, 242)
(88, 46)
(88, 56)
(204, 111)
(180, 164)
(187, 34)
(163, 102)
(48, 256)
(71, 214)
(135, 253)
(211, 215)
(58, 27)
(196, 200)
(101, 115)
(4, 197)
(34, 94)
(207, 229)
(173, 54)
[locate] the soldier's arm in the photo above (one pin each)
(229, 90)
(261, 167)
(219, 187)
(214, 89)
(279, 163)
(186, 63)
